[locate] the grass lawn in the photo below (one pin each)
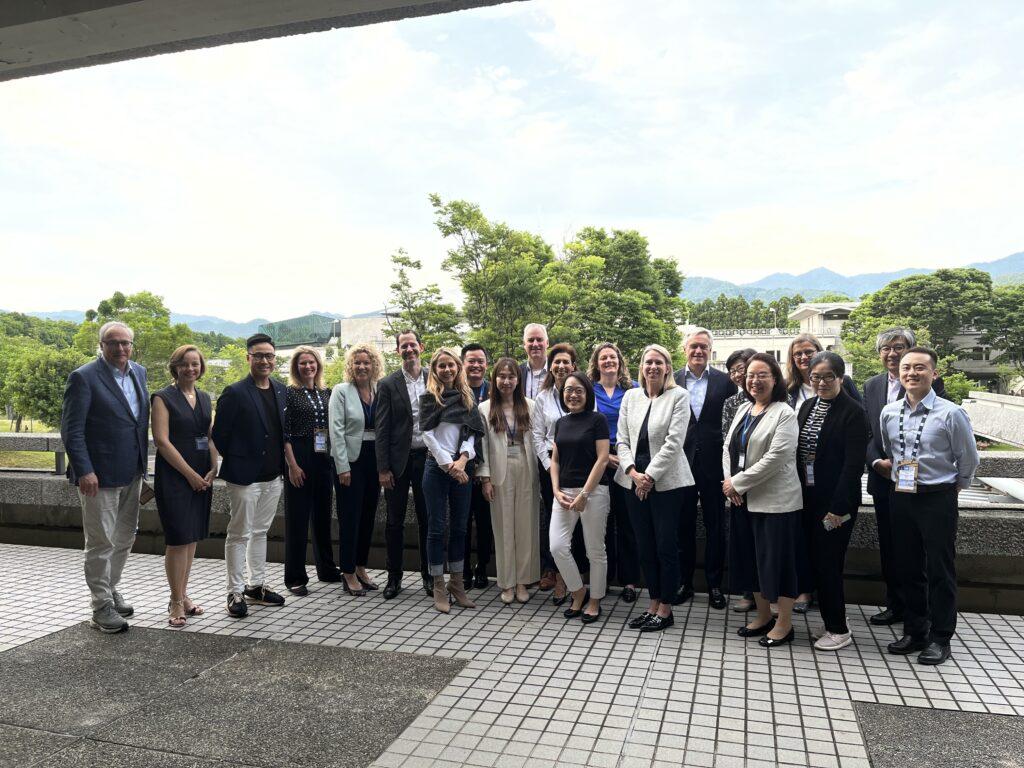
(1001, 447)
(25, 459)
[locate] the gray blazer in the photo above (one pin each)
(769, 480)
(666, 433)
(346, 425)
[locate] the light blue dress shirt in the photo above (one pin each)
(126, 381)
(948, 452)
(697, 386)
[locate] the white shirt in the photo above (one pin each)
(415, 387)
(893, 393)
(806, 393)
(443, 443)
(697, 386)
(547, 410)
(535, 381)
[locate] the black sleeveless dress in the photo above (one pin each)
(184, 513)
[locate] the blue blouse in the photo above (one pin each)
(609, 406)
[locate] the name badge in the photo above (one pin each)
(203, 443)
(906, 477)
(369, 434)
(741, 462)
(514, 451)
(320, 440)
(809, 472)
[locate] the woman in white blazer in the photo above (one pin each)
(352, 409)
(759, 463)
(509, 479)
(653, 469)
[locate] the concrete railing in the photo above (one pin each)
(997, 417)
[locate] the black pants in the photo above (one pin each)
(620, 539)
(304, 507)
(579, 547)
(398, 503)
(708, 490)
(924, 540)
(656, 524)
(357, 509)
(828, 560)
(890, 571)
(480, 520)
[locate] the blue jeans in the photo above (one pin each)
(442, 495)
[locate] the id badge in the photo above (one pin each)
(369, 434)
(203, 443)
(809, 469)
(320, 440)
(513, 451)
(741, 462)
(906, 477)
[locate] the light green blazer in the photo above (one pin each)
(346, 426)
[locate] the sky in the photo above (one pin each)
(274, 178)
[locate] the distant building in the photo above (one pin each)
(328, 335)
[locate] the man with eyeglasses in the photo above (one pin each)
(879, 391)
(105, 429)
(249, 434)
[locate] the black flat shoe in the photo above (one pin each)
(573, 613)
(628, 595)
(353, 592)
(764, 629)
(394, 586)
(368, 585)
(559, 600)
(638, 621)
(717, 599)
(590, 618)
(299, 589)
(935, 653)
(906, 645)
(480, 581)
(657, 623)
(683, 594)
(886, 618)
(771, 642)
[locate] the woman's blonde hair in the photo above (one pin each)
(178, 357)
(294, 379)
(376, 363)
(436, 388)
(793, 376)
(669, 380)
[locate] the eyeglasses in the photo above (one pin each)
(738, 370)
(805, 353)
(126, 344)
(268, 356)
(828, 378)
(894, 348)
(759, 376)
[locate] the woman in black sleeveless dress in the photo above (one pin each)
(186, 463)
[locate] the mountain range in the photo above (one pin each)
(820, 281)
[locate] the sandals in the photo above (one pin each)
(176, 621)
(195, 610)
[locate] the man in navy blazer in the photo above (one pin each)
(709, 389)
(249, 432)
(105, 429)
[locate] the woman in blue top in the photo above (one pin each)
(610, 374)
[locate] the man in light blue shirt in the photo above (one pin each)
(934, 456)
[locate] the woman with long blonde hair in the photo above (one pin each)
(452, 428)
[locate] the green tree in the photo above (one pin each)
(421, 309)
(59, 334)
(860, 332)
(36, 381)
(1003, 325)
(11, 350)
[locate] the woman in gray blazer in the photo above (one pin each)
(759, 461)
(354, 450)
(653, 469)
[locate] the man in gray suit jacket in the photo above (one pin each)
(105, 429)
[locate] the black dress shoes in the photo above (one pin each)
(764, 629)
(428, 585)
(771, 642)
(638, 621)
(299, 590)
(935, 653)
(628, 595)
(716, 599)
(907, 644)
(480, 580)
(657, 623)
(886, 618)
(394, 586)
(682, 595)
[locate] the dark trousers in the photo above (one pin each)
(924, 540)
(357, 509)
(579, 547)
(656, 524)
(828, 560)
(708, 490)
(886, 553)
(398, 503)
(306, 507)
(480, 520)
(447, 503)
(620, 540)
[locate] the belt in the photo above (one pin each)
(934, 488)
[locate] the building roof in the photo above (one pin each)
(812, 308)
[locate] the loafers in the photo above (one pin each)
(907, 644)
(300, 590)
(764, 629)
(394, 586)
(771, 642)
(628, 595)
(547, 581)
(638, 621)
(935, 653)
(716, 599)
(657, 623)
(886, 618)
(683, 594)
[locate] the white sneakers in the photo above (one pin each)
(829, 642)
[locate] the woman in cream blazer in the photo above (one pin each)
(653, 469)
(508, 473)
(761, 482)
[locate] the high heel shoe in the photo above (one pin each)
(442, 602)
(353, 592)
(367, 584)
(457, 589)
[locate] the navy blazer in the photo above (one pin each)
(876, 391)
(240, 429)
(393, 423)
(837, 465)
(99, 431)
(704, 435)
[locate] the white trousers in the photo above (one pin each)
(514, 522)
(109, 522)
(595, 520)
(252, 510)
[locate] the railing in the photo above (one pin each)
(782, 332)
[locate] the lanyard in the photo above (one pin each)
(917, 439)
(317, 405)
(745, 429)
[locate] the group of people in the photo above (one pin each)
(577, 477)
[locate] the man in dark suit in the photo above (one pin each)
(249, 434)
(401, 456)
(879, 391)
(709, 389)
(105, 429)
(474, 363)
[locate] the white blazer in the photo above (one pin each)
(769, 480)
(494, 460)
(666, 431)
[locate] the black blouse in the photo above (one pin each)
(307, 410)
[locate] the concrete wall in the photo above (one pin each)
(1000, 417)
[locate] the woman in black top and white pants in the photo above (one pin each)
(578, 459)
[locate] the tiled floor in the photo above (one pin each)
(541, 691)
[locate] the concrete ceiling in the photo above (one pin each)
(42, 36)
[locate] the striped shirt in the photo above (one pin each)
(809, 431)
